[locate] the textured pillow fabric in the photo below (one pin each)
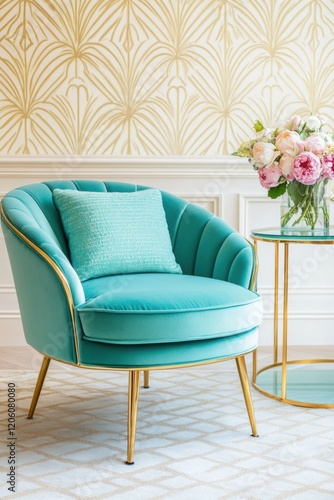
(116, 233)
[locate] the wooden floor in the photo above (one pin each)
(26, 358)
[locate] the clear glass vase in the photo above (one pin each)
(305, 209)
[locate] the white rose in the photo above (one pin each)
(313, 123)
(326, 137)
(264, 135)
(264, 153)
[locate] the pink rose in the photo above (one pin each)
(315, 144)
(286, 142)
(269, 176)
(264, 153)
(328, 166)
(295, 122)
(300, 147)
(306, 168)
(285, 165)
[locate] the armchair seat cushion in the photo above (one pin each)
(161, 308)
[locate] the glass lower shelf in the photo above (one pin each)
(307, 385)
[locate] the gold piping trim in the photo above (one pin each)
(58, 272)
(255, 266)
(143, 368)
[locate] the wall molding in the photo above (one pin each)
(244, 201)
(215, 202)
(9, 315)
(8, 301)
(65, 167)
(7, 289)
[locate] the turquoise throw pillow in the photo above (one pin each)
(116, 233)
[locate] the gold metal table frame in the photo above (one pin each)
(278, 368)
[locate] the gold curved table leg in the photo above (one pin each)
(146, 379)
(39, 385)
(242, 370)
(134, 378)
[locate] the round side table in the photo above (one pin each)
(302, 382)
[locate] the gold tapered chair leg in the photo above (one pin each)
(134, 379)
(242, 370)
(146, 379)
(39, 385)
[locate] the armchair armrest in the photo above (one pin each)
(41, 238)
(47, 286)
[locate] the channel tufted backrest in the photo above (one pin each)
(33, 205)
(32, 211)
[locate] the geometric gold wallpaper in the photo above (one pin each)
(158, 77)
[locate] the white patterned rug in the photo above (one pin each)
(193, 440)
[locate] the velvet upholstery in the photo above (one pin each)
(116, 233)
(134, 321)
(159, 308)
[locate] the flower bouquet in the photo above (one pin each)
(295, 160)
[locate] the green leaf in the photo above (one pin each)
(246, 149)
(297, 192)
(258, 127)
(275, 192)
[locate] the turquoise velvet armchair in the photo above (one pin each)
(133, 322)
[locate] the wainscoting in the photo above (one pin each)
(226, 186)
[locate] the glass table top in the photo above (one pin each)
(275, 233)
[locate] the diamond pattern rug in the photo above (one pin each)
(193, 439)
